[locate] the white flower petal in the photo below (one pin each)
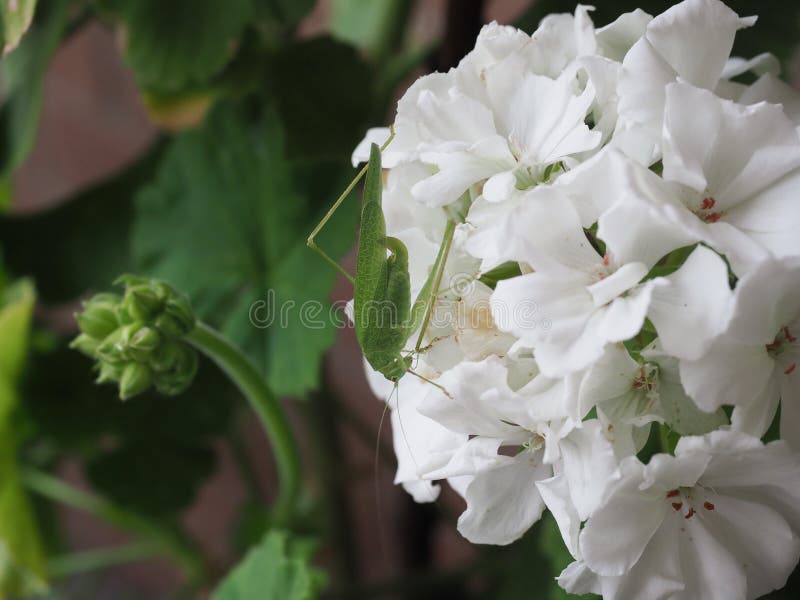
(617, 283)
(730, 373)
(579, 579)
(500, 187)
(477, 401)
(696, 28)
(770, 88)
(459, 169)
(589, 466)
(790, 410)
(761, 64)
(615, 39)
(771, 217)
(729, 149)
(555, 494)
(695, 305)
(503, 503)
(757, 536)
(708, 568)
(625, 505)
(375, 135)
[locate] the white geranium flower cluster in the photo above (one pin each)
(626, 262)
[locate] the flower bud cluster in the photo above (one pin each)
(137, 339)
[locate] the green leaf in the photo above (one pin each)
(321, 88)
(226, 222)
(21, 554)
(15, 320)
(279, 568)
(178, 44)
(83, 243)
(366, 23)
(15, 17)
(23, 78)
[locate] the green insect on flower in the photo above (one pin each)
(384, 315)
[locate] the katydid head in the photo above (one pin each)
(396, 368)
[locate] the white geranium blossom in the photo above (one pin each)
(718, 520)
(576, 300)
(621, 270)
(740, 166)
(630, 396)
(753, 364)
(670, 49)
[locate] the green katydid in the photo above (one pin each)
(383, 313)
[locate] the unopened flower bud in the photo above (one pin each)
(127, 332)
(111, 348)
(170, 326)
(181, 375)
(98, 319)
(179, 309)
(109, 373)
(143, 304)
(85, 344)
(136, 378)
(137, 339)
(165, 357)
(143, 342)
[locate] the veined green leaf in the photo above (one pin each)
(180, 43)
(226, 222)
(318, 87)
(279, 568)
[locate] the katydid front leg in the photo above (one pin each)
(310, 241)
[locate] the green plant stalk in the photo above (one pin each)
(252, 385)
(161, 540)
(91, 560)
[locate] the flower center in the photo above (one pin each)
(686, 502)
(647, 379)
(784, 349)
(707, 211)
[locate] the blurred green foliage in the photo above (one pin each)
(22, 569)
(22, 75)
(278, 567)
(226, 222)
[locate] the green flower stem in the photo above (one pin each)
(91, 560)
(161, 539)
(251, 383)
